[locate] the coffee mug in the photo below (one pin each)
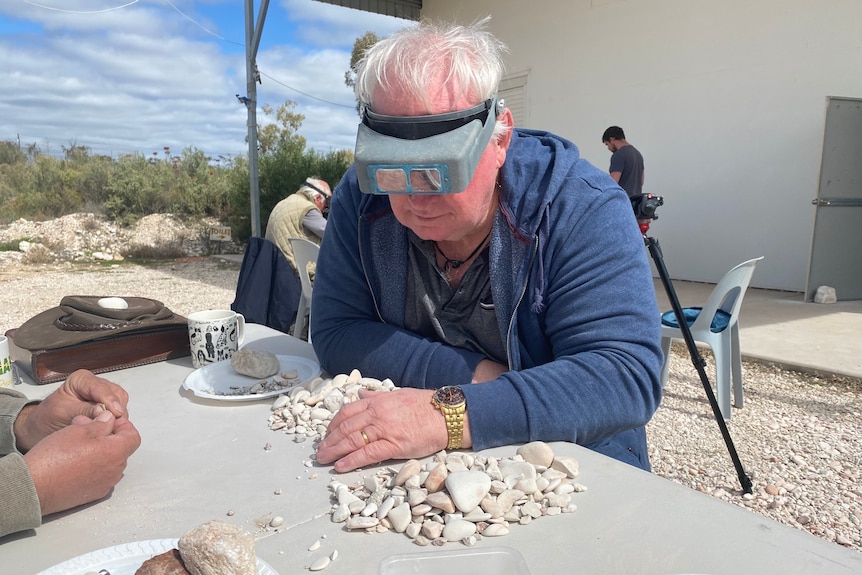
(6, 379)
(214, 335)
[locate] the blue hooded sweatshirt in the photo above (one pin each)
(573, 297)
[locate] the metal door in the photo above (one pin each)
(836, 248)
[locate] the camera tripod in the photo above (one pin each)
(696, 357)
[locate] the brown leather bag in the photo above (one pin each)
(81, 333)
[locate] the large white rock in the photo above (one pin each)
(216, 548)
(468, 488)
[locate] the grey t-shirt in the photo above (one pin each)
(464, 317)
(630, 163)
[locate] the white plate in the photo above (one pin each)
(220, 380)
(125, 559)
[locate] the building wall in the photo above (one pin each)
(726, 101)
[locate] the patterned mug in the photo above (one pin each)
(214, 335)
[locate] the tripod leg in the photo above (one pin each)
(697, 360)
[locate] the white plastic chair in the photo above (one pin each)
(304, 252)
(726, 297)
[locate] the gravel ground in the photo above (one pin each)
(797, 436)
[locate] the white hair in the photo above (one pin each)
(314, 188)
(470, 56)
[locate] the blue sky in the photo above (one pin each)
(134, 76)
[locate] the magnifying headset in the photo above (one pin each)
(434, 154)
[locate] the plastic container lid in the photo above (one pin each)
(497, 560)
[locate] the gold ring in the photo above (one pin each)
(364, 436)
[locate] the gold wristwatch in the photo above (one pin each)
(451, 402)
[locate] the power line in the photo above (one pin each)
(199, 25)
(79, 11)
(202, 27)
(280, 83)
(304, 93)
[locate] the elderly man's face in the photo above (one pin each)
(447, 217)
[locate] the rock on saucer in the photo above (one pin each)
(255, 363)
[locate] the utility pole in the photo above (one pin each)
(253, 32)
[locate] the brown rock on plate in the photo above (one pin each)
(167, 563)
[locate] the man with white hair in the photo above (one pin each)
(299, 215)
(494, 275)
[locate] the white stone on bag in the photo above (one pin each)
(113, 303)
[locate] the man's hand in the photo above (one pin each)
(81, 462)
(399, 424)
(83, 393)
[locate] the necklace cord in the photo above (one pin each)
(451, 264)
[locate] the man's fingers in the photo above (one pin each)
(370, 454)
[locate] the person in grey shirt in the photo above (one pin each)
(627, 163)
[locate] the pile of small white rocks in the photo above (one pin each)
(459, 496)
(453, 497)
(306, 409)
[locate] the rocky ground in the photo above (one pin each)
(797, 436)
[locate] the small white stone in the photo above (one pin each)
(458, 529)
(341, 513)
(537, 453)
(400, 516)
(496, 530)
(320, 564)
(113, 303)
(359, 522)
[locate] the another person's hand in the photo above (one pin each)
(398, 424)
(81, 462)
(83, 393)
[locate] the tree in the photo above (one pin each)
(360, 47)
(282, 132)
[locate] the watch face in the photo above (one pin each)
(450, 395)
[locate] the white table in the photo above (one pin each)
(200, 459)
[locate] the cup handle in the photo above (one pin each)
(240, 329)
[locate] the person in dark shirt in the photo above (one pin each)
(627, 164)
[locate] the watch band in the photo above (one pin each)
(452, 404)
(454, 424)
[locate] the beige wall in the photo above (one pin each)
(725, 99)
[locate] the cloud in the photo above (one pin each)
(164, 73)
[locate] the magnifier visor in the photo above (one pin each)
(435, 154)
(418, 127)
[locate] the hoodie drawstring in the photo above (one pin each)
(538, 305)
